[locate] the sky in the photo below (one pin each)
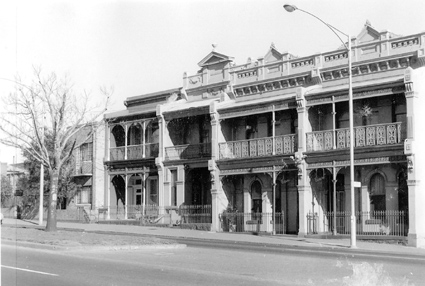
(140, 47)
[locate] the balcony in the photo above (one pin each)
(257, 147)
(134, 152)
(365, 136)
(84, 168)
(188, 151)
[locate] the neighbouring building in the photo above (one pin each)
(87, 171)
(271, 136)
(10, 175)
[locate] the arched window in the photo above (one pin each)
(152, 132)
(118, 136)
(377, 193)
(134, 135)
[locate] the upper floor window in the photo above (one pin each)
(152, 132)
(134, 136)
(84, 195)
(86, 152)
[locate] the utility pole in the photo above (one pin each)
(41, 208)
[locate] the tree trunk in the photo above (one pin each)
(53, 198)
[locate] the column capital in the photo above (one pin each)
(212, 166)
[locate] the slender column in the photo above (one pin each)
(108, 131)
(143, 139)
(333, 123)
(125, 142)
(161, 188)
(274, 200)
(334, 180)
(126, 196)
(108, 181)
(144, 189)
(274, 132)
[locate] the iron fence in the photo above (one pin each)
(191, 214)
(389, 223)
(141, 212)
(252, 222)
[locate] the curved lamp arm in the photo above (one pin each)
(292, 8)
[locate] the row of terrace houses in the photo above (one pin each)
(271, 137)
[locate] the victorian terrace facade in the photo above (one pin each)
(266, 143)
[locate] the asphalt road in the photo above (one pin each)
(207, 263)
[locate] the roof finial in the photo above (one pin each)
(272, 46)
(368, 23)
(214, 45)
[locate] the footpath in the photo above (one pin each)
(342, 244)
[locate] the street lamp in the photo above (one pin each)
(292, 8)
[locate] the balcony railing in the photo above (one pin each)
(371, 135)
(134, 152)
(257, 147)
(84, 168)
(117, 153)
(188, 151)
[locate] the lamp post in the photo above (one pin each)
(292, 8)
(41, 206)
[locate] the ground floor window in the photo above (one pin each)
(84, 195)
(153, 191)
(173, 187)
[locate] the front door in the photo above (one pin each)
(257, 201)
(138, 197)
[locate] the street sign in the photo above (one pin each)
(357, 184)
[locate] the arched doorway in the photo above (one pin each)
(119, 186)
(287, 201)
(403, 192)
(117, 200)
(256, 200)
(377, 193)
(403, 200)
(198, 187)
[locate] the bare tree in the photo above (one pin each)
(48, 105)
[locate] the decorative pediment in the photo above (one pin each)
(368, 34)
(214, 58)
(272, 55)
